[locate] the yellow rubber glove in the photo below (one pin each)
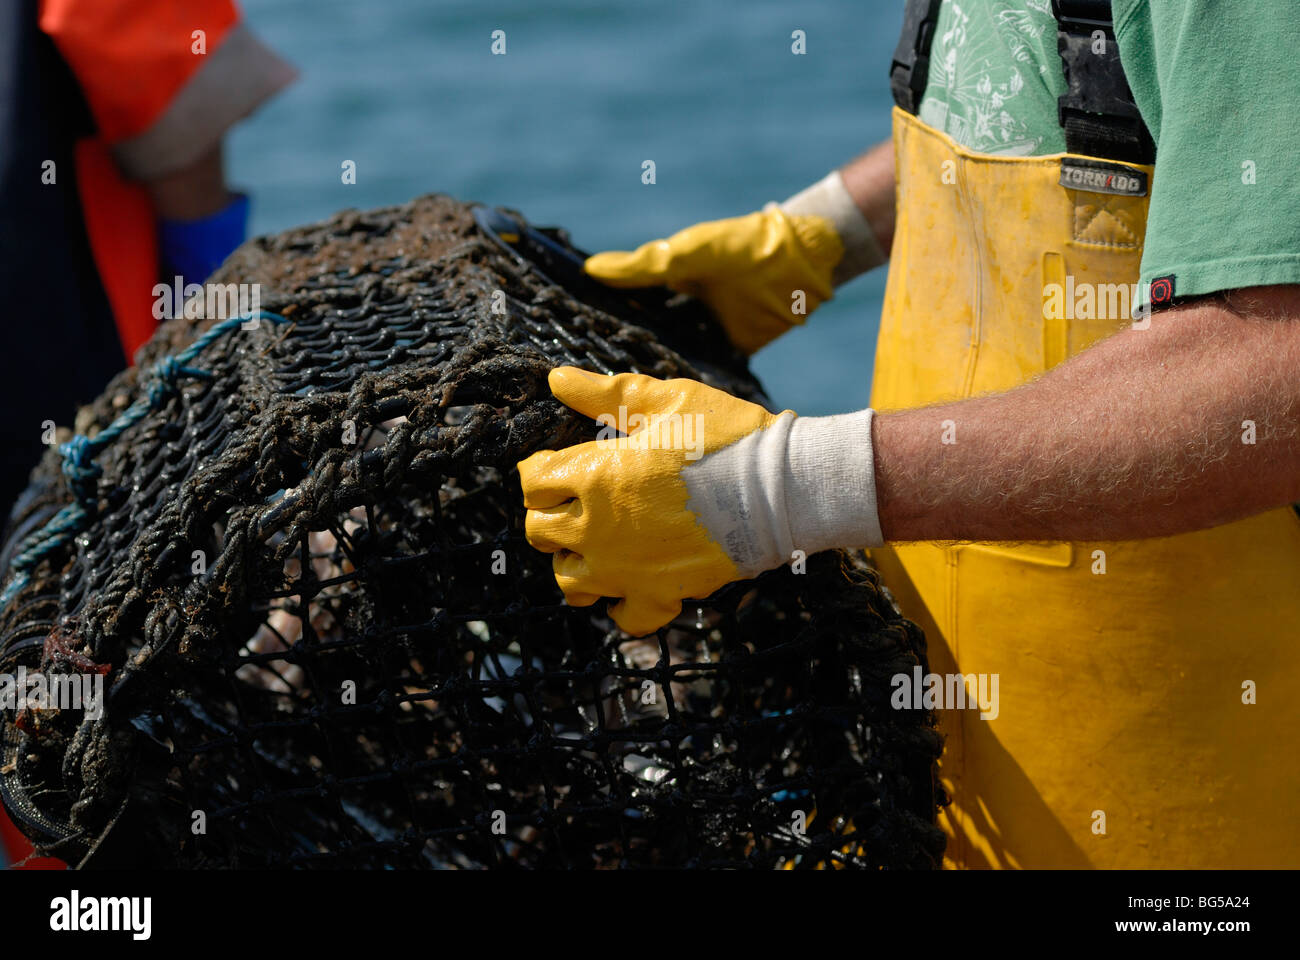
(747, 269)
(613, 510)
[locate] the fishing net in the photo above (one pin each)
(293, 546)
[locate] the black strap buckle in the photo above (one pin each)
(910, 68)
(1094, 14)
(1097, 111)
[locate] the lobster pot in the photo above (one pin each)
(290, 541)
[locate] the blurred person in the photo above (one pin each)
(112, 118)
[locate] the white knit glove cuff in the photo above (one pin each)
(804, 483)
(829, 198)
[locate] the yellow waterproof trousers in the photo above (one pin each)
(1149, 691)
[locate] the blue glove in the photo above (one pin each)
(194, 248)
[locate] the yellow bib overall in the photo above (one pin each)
(1125, 735)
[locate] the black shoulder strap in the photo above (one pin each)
(1097, 111)
(911, 66)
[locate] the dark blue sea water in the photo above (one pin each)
(558, 127)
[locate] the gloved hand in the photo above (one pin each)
(748, 268)
(704, 489)
(745, 268)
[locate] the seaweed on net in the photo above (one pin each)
(301, 563)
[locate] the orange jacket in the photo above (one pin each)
(164, 80)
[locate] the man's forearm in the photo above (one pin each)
(1145, 434)
(193, 192)
(870, 182)
(858, 201)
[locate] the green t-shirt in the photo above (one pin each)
(1218, 83)
(995, 77)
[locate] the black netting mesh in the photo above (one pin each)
(304, 571)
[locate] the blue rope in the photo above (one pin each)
(79, 453)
